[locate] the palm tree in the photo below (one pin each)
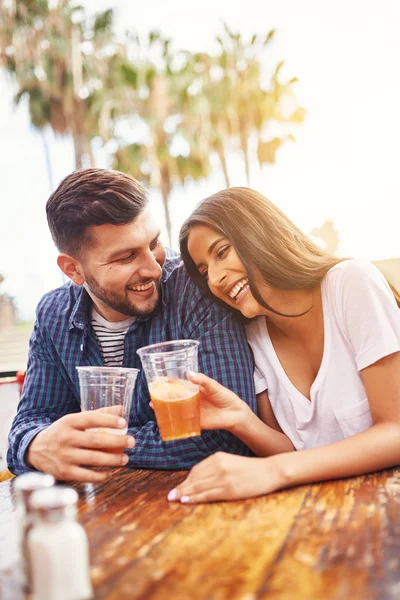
(235, 104)
(169, 153)
(206, 107)
(278, 104)
(81, 82)
(53, 53)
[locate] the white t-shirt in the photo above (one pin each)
(111, 338)
(361, 325)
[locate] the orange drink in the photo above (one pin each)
(176, 400)
(176, 404)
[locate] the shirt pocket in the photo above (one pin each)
(354, 419)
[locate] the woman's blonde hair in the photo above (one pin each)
(264, 239)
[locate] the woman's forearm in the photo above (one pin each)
(259, 437)
(372, 450)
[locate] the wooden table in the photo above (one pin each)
(337, 540)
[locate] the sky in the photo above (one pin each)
(344, 165)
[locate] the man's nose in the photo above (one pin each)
(150, 268)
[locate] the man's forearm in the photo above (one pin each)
(20, 438)
(151, 452)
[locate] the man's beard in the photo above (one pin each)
(121, 303)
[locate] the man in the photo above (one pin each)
(124, 294)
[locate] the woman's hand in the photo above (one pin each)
(230, 477)
(219, 407)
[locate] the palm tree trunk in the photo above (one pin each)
(47, 159)
(222, 158)
(244, 143)
(165, 192)
(78, 148)
(89, 151)
(83, 151)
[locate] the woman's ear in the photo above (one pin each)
(72, 268)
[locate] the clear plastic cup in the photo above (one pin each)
(176, 400)
(103, 387)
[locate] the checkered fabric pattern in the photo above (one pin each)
(63, 339)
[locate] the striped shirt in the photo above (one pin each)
(110, 337)
(64, 339)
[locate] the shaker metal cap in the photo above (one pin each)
(33, 481)
(54, 498)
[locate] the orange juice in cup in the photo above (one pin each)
(176, 404)
(176, 400)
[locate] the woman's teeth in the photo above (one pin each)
(242, 293)
(240, 287)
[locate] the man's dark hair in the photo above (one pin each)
(92, 197)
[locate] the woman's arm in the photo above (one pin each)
(376, 448)
(220, 408)
(227, 477)
(262, 435)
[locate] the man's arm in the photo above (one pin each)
(48, 398)
(45, 398)
(50, 433)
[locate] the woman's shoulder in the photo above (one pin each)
(354, 266)
(357, 291)
(354, 272)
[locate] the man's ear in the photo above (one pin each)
(72, 268)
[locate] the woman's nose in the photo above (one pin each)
(215, 276)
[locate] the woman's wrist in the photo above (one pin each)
(243, 416)
(283, 466)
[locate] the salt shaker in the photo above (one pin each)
(58, 547)
(23, 487)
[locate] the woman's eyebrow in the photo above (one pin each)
(215, 242)
(211, 248)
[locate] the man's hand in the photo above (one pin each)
(62, 448)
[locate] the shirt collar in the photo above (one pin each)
(80, 315)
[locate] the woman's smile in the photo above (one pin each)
(218, 262)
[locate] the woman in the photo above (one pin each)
(325, 334)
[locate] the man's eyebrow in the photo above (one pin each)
(130, 249)
(211, 248)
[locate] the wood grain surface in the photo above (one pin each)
(332, 541)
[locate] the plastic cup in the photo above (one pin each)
(103, 387)
(176, 400)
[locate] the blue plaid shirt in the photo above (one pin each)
(63, 339)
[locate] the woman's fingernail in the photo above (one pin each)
(192, 375)
(125, 459)
(121, 422)
(130, 442)
(172, 495)
(185, 499)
